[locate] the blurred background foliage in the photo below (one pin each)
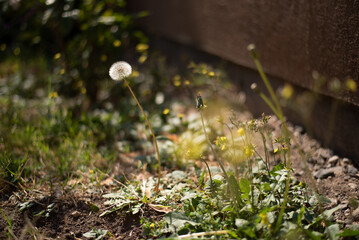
(57, 104)
(59, 110)
(74, 40)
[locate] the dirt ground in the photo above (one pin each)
(71, 218)
(71, 214)
(333, 176)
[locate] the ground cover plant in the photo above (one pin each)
(227, 178)
(172, 158)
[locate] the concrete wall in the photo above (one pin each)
(293, 37)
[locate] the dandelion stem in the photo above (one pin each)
(269, 87)
(210, 176)
(210, 145)
(280, 218)
(153, 135)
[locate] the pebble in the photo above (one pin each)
(355, 214)
(333, 202)
(338, 170)
(325, 153)
(352, 185)
(345, 161)
(352, 171)
(324, 173)
(347, 212)
(76, 214)
(320, 161)
(333, 160)
(299, 173)
(348, 221)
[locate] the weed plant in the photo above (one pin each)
(256, 199)
(120, 71)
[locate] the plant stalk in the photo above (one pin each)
(210, 145)
(153, 135)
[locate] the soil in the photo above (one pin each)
(70, 218)
(333, 176)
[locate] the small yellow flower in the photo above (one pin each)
(141, 47)
(248, 151)
(240, 132)
(284, 147)
(166, 111)
(135, 73)
(186, 82)
(300, 184)
(351, 85)
(152, 225)
(221, 142)
(177, 80)
(57, 56)
(62, 71)
(142, 59)
(83, 90)
(188, 153)
(276, 150)
(204, 71)
(53, 95)
(211, 74)
(103, 58)
(287, 91)
(17, 51)
(91, 171)
(117, 43)
(79, 84)
(264, 218)
(180, 115)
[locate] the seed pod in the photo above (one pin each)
(199, 102)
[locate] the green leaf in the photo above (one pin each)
(201, 180)
(113, 195)
(241, 222)
(177, 175)
(96, 234)
(313, 235)
(333, 231)
(349, 233)
(25, 205)
(135, 209)
(300, 216)
(189, 195)
(235, 190)
(249, 232)
(233, 234)
(328, 213)
(179, 219)
(40, 213)
(313, 201)
(93, 206)
(245, 186)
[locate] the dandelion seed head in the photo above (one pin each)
(120, 70)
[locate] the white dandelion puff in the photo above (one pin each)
(120, 70)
